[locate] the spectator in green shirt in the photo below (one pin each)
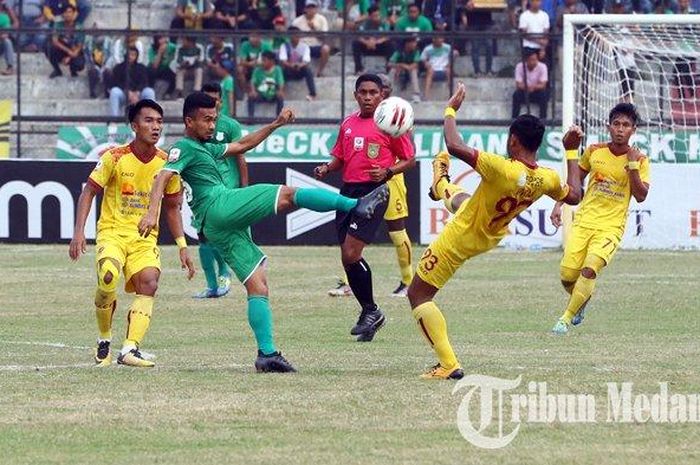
(190, 59)
(373, 43)
(414, 21)
(267, 84)
(249, 57)
(356, 12)
(403, 65)
(392, 10)
(8, 20)
(161, 56)
(67, 44)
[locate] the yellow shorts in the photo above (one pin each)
(397, 207)
(133, 254)
(456, 244)
(585, 241)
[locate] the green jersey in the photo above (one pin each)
(226, 91)
(228, 130)
(196, 163)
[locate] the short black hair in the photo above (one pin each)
(528, 52)
(195, 101)
(372, 9)
(133, 110)
(412, 4)
(212, 88)
(529, 130)
(269, 54)
(132, 49)
(626, 109)
(368, 77)
(293, 28)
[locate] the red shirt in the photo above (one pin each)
(362, 146)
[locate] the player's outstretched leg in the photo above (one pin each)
(402, 246)
(269, 359)
(441, 188)
(580, 294)
(322, 200)
(433, 326)
(105, 304)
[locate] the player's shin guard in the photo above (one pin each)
(105, 304)
(583, 289)
(360, 280)
(432, 324)
(447, 192)
(207, 258)
(322, 200)
(260, 321)
(402, 243)
(139, 320)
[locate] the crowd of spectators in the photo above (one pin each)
(296, 48)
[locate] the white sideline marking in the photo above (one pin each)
(45, 367)
(47, 344)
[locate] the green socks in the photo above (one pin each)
(322, 200)
(260, 321)
(207, 256)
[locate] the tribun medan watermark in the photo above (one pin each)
(490, 415)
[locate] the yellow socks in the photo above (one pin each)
(583, 289)
(402, 243)
(139, 319)
(433, 326)
(105, 303)
(447, 191)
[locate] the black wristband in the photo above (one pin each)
(389, 173)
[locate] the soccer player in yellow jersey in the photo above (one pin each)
(124, 175)
(507, 187)
(616, 172)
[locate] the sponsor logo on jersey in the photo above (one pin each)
(359, 143)
(174, 154)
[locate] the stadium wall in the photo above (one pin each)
(38, 202)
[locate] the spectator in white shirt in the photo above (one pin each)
(436, 58)
(295, 59)
(534, 24)
(312, 21)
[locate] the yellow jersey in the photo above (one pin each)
(606, 202)
(507, 187)
(126, 179)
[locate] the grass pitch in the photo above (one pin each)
(350, 402)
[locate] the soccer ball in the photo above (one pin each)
(394, 116)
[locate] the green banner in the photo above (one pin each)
(315, 142)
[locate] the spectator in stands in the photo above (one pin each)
(8, 20)
(534, 25)
(161, 58)
(98, 50)
(479, 20)
(32, 16)
(684, 8)
(371, 44)
(53, 9)
(392, 10)
(295, 59)
(129, 83)
(664, 7)
(356, 12)
(231, 14)
(312, 21)
(221, 67)
(440, 13)
(190, 59)
(193, 14)
(531, 84)
(570, 7)
(281, 37)
(515, 8)
(267, 84)
(436, 58)
(413, 21)
(249, 56)
(120, 47)
(67, 44)
(262, 13)
(403, 65)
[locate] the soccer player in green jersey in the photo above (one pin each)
(227, 214)
(235, 174)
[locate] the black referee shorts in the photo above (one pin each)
(349, 223)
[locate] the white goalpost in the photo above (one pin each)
(652, 61)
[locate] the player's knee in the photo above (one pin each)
(107, 276)
(285, 201)
(350, 255)
(568, 275)
(588, 273)
(148, 286)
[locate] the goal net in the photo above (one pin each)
(652, 61)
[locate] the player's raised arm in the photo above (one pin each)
(455, 146)
(77, 244)
(639, 188)
(252, 140)
(150, 219)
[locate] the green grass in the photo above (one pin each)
(350, 402)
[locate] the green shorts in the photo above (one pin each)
(228, 220)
